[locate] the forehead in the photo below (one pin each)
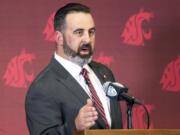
(81, 20)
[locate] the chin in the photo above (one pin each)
(81, 61)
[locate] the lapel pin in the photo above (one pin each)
(104, 76)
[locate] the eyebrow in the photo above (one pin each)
(80, 29)
(93, 28)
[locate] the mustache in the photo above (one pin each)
(86, 46)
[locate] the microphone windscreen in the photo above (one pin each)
(106, 85)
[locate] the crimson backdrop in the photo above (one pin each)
(139, 40)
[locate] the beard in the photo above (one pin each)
(77, 57)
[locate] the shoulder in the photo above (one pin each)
(44, 80)
(50, 73)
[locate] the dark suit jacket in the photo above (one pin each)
(55, 98)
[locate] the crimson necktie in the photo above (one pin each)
(94, 95)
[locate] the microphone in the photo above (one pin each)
(117, 91)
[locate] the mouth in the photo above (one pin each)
(85, 49)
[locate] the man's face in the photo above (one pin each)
(79, 35)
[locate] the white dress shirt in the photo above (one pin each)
(75, 71)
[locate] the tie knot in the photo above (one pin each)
(84, 72)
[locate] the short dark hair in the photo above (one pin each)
(59, 18)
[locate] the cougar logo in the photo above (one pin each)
(49, 29)
(107, 60)
(15, 75)
(171, 77)
(133, 33)
(139, 117)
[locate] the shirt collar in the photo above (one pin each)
(87, 68)
(71, 67)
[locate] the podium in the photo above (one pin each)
(129, 132)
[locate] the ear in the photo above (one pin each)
(59, 37)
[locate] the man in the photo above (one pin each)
(68, 95)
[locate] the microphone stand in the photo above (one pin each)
(129, 115)
(130, 104)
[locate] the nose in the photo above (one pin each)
(86, 37)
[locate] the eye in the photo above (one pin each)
(78, 32)
(92, 32)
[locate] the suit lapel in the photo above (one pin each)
(63, 76)
(101, 73)
(75, 88)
